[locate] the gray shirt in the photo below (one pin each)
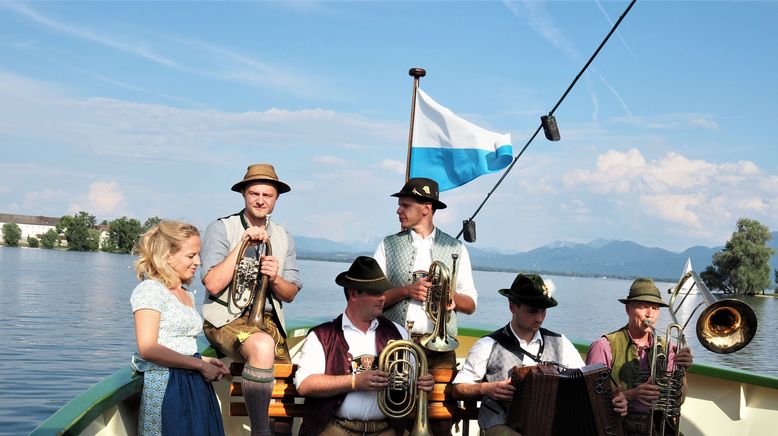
(216, 247)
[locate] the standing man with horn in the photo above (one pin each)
(336, 371)
(629, 353)
(226, 325)
(405, 258)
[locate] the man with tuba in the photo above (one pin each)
(522, 342)
(337, 372)
(233, 319)
(629, 353)
(406, 257)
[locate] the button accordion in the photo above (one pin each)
(555, 402)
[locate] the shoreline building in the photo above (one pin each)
(34, 226)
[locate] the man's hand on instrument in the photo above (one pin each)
(372, 380)
(269, 267)
(256, 234)
(499, 390)
(426, 382)
(452, 305)
(620, 403)
(418, 290)
(683, 358)
(645, 394)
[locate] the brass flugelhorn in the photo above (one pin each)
(247, 279)
(405, 363)
(439, 297)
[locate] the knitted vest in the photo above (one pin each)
(221, 310)
(400, 256)
(625, 366)
(319, 410)
(504, 356)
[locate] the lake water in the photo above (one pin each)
(65, 322)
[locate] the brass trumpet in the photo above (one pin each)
(405, 363)
(248, 279)
(439, 297)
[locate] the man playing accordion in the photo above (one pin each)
(522, 342)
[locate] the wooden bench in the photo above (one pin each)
(287, 404)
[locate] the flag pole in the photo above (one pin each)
(416, 73)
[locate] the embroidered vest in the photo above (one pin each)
(319, 410)
(504, 356)
(220, 310)
(400, 257)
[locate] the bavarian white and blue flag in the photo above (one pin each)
(451, 150)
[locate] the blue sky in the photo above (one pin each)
(144, 109)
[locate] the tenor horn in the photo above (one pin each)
(405, 363)
(439, 297)
(247, 279)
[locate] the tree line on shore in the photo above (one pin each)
(82, 233)
(741, 267)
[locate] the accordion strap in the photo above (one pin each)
(507, 340)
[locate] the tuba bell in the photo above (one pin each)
(405, 362)
(439, 297)
(247, 279)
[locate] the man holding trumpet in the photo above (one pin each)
(227, 325)
(405, 258)
(628, 352)
(337, 372)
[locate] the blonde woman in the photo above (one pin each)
(177, 396)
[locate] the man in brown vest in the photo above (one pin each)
(336, 372)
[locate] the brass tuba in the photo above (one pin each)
(247, 279)
(405, 362)
(441, 293)
(724, 326)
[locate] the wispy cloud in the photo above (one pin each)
(220, 63)
(232, 65)
(392, 165)
(87, 34)
(607, 17)
(671, 121)
(541, 22)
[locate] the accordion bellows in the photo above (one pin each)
(569, 402)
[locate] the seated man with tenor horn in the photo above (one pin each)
(249, 267)
(337, 372)
(630, 351)
(406, 258)
(522, 342)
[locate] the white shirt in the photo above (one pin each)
(474, 368)
(422, 324)
(358, 405)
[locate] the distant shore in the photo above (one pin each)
(348, 257)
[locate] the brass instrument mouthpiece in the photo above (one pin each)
(648, 322)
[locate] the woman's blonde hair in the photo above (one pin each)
(156, 245)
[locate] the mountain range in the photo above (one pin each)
(599, 257)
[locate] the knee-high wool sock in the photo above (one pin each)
(257, 385)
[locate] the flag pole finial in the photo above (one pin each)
(416, 73)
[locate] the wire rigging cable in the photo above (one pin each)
(550, 114)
